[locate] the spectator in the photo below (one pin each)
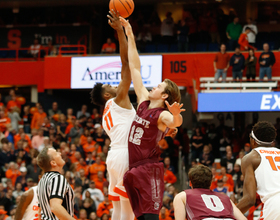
(99, 135)
(69, 115)
(82, 180)
(33, 170)
(250, 63)
(169, 177)
(83, 112)
(206, 158)
(241, 155)
(53, 111)
(228, 186)
(247, 148)
(236, 173)
(221, 63)
(61, 127)
(22, 178)
(182, 36)
(167, 165)
(13, 172)
(10, 96)
(220, 187)
(109, 47)
(144, 38)
(233, 32)
(37, 140)
(76, 131)
(21, 136)
(15, 118)
(93, 216)
(228, 161)
(167, 29)
(89, 146)
(253, 33)
(104, 207)
(224, 173)
(94, 168)
(34, 49)
(197, 142)
(5, 122)
(18, 191)
(266, 61)
(83, 214)
(89, 206)
(164, 214)
(95, 194)
(243, 40)
(100, 181)
(237, 62)
(27, 118)
(46, 126)
(82, 165)
(38, 118)
(6, 155)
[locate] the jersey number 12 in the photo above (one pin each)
(135, 135)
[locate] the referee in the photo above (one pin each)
(55, 195)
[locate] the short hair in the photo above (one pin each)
(173, 92)
(200, 177)
(96, 95)
(44, 159)
(247, 28)
(265, 131)
(237, 47)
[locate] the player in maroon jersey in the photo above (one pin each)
(202, 203)
(144, 182)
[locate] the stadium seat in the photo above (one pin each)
(213, 47)
(150, 48)
(173, 48)
(163, 48)
(201, 47)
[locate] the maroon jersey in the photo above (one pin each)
(206, 204)
(144, 135)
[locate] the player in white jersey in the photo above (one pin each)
(117, 118)
(261, 170)
(28, 205)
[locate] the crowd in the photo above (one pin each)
(84, 146)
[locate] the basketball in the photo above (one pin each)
(124, 7)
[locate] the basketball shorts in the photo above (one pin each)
(144, 185)
(271, 208)
(117, 165)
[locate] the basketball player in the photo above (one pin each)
(28, 205)
(117, 118)
(202, 203)
(261, 172)
(144, 181)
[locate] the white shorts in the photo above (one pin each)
(117, 165)
(271, 209)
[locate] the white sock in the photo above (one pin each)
(116, 215)
(126, 210)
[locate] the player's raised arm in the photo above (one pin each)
(250, 185)
(122, 98)
(134, 63)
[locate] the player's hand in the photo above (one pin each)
(127, 26)
(172, 132)
(114, 20)
(175, 108)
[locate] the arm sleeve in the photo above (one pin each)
(58, 187)
(231, 61)
(260, 58)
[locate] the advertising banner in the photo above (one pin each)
(238, 102)
(86, 71)
(22, 37)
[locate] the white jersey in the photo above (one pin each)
(268, 181)
(117, 121)
(31, 212)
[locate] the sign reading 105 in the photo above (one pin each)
(178, 66)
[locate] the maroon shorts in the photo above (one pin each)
(144, 186)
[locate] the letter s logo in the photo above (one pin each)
(14, 40)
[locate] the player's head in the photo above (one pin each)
(263, 134)
(101, 93)
(200, 177)
(166, 90)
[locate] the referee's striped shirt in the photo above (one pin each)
(54, 185)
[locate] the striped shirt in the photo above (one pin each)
(54, 185)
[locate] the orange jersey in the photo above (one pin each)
(243, 42)
(38, 120)
(89, 147)
(3, 123)
(104, 208)
(10, 174)
(85, 167)
(94, 168)
(169, 177)
(99, 184)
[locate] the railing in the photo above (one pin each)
(72, 49)
(25, 54)
(7, 54)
